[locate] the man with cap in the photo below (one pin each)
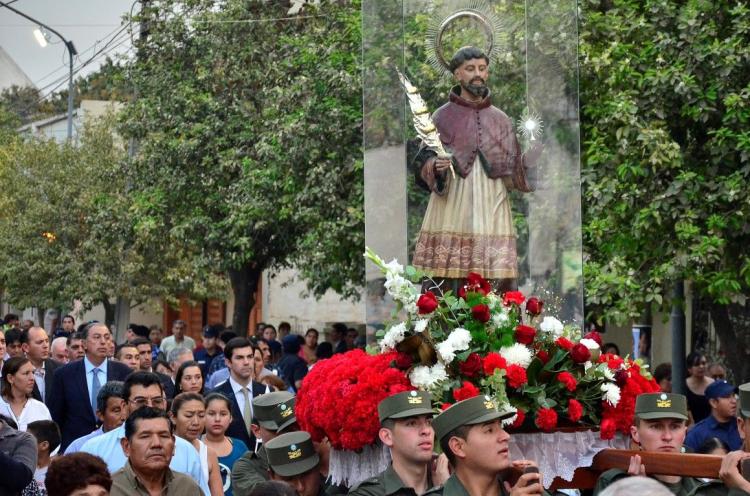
(210, 349)
(730, 466)
(471, 435)
(660, 425)
(722, 422)
(292, 459)
(406, 428)
(273, 414)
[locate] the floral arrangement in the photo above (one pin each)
(479, 342)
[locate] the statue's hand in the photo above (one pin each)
(442, 164)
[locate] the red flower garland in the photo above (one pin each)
(466, 391)
(472, 366)
(513, 297)
(492, 362)
(525, 334)
(516, 376)
(575, 410)
(567, 379)
(564, 343)
(546, 419)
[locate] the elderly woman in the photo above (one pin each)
(15, 397)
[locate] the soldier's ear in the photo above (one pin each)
(386, 436)
(456, 445)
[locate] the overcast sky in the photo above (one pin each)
(88, 23)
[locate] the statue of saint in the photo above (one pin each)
(468, 225)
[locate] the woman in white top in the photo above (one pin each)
(188, 415)
(16, 401)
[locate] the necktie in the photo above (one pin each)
(95, 386)
(246, 414)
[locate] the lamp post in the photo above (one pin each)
(41, 38)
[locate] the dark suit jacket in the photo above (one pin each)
(167, 385)
(69, 402)
(237, 427)
(50, 366)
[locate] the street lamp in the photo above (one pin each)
(41, 37)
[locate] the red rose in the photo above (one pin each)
(534, 306)
(564, 343)
(580, 353)
(513, 297)
(403, 361)
(575, 410)
(481, 312)
(621, 377)
(546, 419)
(427, 303)
(525, 334)
(595, 336)
(520, 417)
(468, 390)
(445, 406)
(472, 366)
(567, 379)
(608, 428)
(516, 376)
(492, 362)
(475, 283)
(543, 356)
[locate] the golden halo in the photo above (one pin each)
(493, 29)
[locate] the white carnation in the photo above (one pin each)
(611, 393)
(458, 340)
(393, 336)
(589, 343)
(551, 326)
(421, 325)
(517, 354)
(424, 377)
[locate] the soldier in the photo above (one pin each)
(292, 459)
(406, 428)
(472, 436)
(730, 472)
(273, 414)
(660, 425)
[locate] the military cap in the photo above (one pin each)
(405, 404)
(476, 410)
(744, 403)
(274, 411)
(292, 454)
(651, 406)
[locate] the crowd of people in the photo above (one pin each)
(80, 415)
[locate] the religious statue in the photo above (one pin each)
(468, 225)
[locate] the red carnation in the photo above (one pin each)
(445, 406)
(472, 366)
(427, 303)
(513, 297)
(564, 343)
(475, 283)
(516, 376)
(543, 356)
(492, 362)
(567, 379)
(534, 306)
(546, 419)
(575, 410)
(595, 336)
(580, 353)
(403, 361)
(525, 334)
(613, 361)
(608, 428)
(481, 312)
(468, 390)
(520, 417)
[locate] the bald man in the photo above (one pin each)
(59, 350)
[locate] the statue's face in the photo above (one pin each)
(472, 76)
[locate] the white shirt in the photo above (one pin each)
(169, 343)
(90, 374)
(240, 396)
(39, 379)
(33, 410)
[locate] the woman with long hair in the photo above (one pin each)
(309, 347)
(189, 378)
(697, 382)
(188, 415)
(228, 449)
(15, 397)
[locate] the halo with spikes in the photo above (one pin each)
(495, 31)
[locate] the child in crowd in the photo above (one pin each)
(47, 436)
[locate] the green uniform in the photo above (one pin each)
(688, 486)
(454, 487)
(250, 470)
(386, 483)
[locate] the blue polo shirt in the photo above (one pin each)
(710, 427)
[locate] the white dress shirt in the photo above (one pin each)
(90, 373)
(33, 410)
(240, 397)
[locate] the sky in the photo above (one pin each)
(89, 24)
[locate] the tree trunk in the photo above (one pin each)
(732, 347)
(244, 283)
(121, 317)
(109, 312)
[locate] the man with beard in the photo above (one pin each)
(468, 225)
(406, 428)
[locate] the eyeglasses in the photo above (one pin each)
(140, 401)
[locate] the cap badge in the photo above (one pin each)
(285, 411)
(489, 404)
(663, 403)
(413, 393)
(294, 453)
(415, 400)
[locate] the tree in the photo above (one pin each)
(664, 95)
(248, 126)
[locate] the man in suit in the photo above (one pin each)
(240, 388)
(72, 400)
(35, 345)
